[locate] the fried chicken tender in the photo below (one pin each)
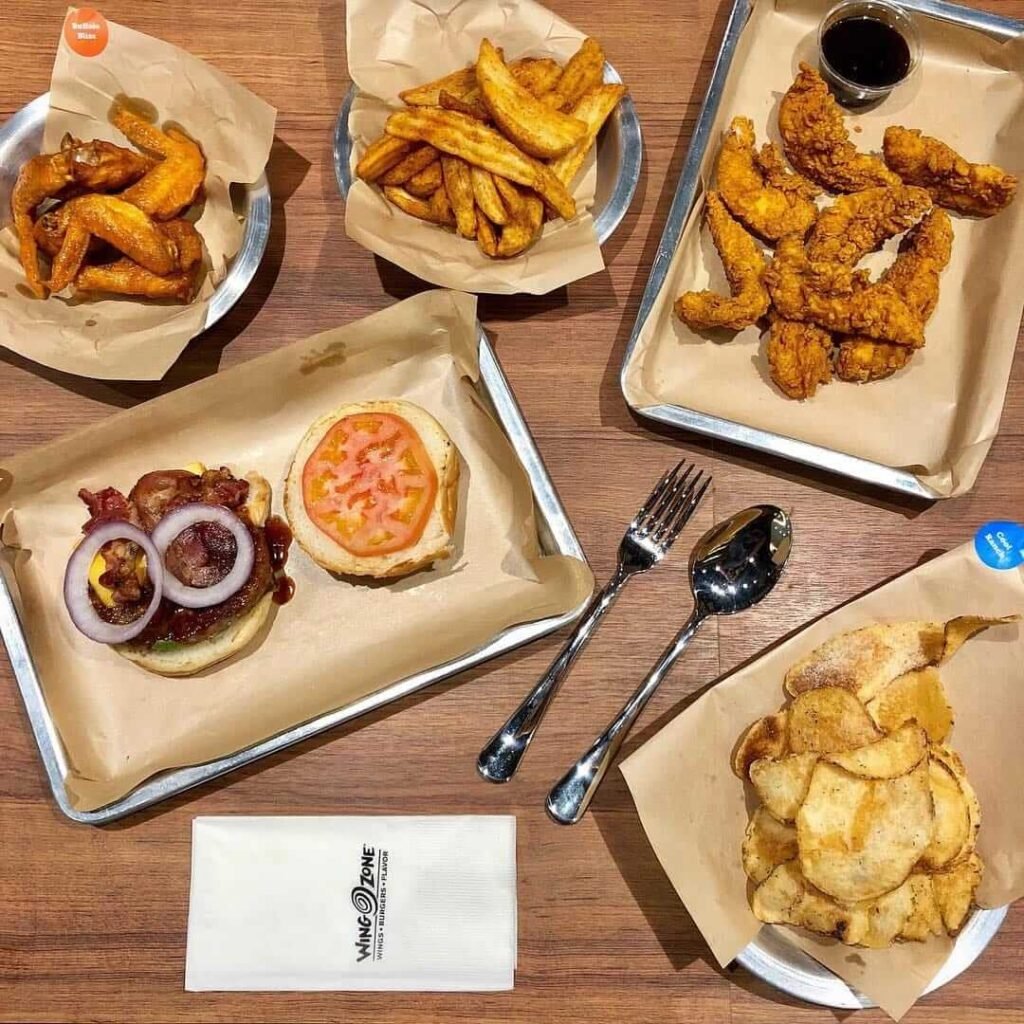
(857, 224)
(799, 357)
(924, 254)
(817, 143)
(838, 298)
(744, 265)
(976, 189)
(768, 204)
(175, 181)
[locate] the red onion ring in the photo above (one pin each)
(76, 584)
(180, 519)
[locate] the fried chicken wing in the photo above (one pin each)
(126, 277)
(817, 143)
(799, 357)
(838, 298)
(924, 254)
(976, 189)
(123, 225)
(100, 166)
(744, 265)
(769, 203)
(857, 224)
(175, 181)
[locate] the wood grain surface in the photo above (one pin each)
(92, 921)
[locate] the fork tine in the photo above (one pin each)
(667, 480)
(669, 512)
(657, 513)
(684, 516)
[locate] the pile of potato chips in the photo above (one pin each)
(867, 825)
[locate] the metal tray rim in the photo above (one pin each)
(841, 463)
(553, 521)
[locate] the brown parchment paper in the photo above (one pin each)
(394, 45)
(936, 418)
(337, 640)
(694, 811)
(118, 338)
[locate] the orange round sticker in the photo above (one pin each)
(86, 32)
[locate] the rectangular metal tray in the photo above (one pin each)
(686, 191)
(556, 536)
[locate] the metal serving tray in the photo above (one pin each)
(21, 137)
(686, 191)
(619, 154)
(556, 537)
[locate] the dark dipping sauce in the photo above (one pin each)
(866, 51)
(279, 538)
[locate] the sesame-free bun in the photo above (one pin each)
(188, 659)
(436, 540)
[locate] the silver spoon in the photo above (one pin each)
(733, 566)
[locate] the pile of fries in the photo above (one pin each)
(492, 149)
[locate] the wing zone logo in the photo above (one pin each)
(369, 898)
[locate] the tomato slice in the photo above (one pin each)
(369, 484)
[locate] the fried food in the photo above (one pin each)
(767, 844)
(829, 720)
(174, 182)
(126, 277)
(536, 128)
(381, 155)
(799, 357)
(764, 208)
(766, 738)
(817, 142)
(782, 784)
(101, 166)
(423, 209)
(126, 227)
(744, 266)
(486, 236)
(410, 165)
(426, 182)
(954, 892)
(593, 109)
(838, 298)
(536, 74)
(485, 192)
(916, 696)
(860, 360)
(525, 219)
(459, 186)
(887, 758)
(472, 107)
(857, 224)
(583, 71)
(979, 190)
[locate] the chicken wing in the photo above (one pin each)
(977, 189)
(175, 181)
(126, 277)
(857, 224)
(100, 166)
(123, 225)
(838, 298)
(924, 254)
(799, 357)
(765, 208)
(817, 143)
(744, 265)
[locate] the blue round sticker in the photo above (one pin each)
(1000, 544)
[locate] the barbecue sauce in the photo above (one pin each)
(866, 51)
(279, 539)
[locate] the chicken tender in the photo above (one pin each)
(837, 298)
(744, 265)
(861, 360)
(976, 189)
(765, 208)
(857, 224)
(817, 142)
(799, 357)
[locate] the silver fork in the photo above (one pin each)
(644, 544)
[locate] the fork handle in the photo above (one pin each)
(500, 758)
(570, 797)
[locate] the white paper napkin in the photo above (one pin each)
(322, 903)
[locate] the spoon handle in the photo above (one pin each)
(570, 797)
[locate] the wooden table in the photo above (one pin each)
(92, 921)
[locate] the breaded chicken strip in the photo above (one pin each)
(817, 143)
(744, 265)
(857, 224)
(977, 189)
(837, 298)
(761, 205)
(799, 357)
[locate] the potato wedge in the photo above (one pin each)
(952, 828)
(782, 785)
(481, 146)
(427, 182)
(887, 758)
(469, 107)
(916, 696)
(442, 208)
(954, 892)
(458, 83)
(535, 128)
(584, 70)
(829, 720)
(767, 844)
(860, 838)
(522, 230)
(459, 187)
(381, 155)
(422, 209)
(765, 738)
(485, 193)
(537, 75)
(593, 109)
(512, 199)
(419, 159)
(486, 236)
(926, 919)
